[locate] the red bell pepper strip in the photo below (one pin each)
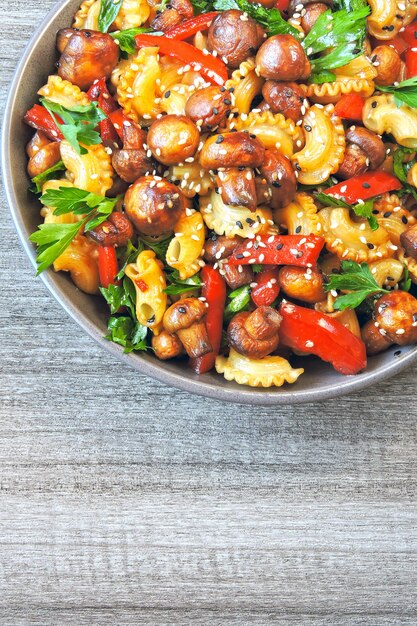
(267, 288)
(364, 186)
(409, 34)
(214, 291)
(118, 118)
(411, 61)
(107, 265)
(282, 5)
(191, 27)
(212, 68)
(38, 117)
(350, 107)
(99, 93)
(397, 43)
(310, 331)
(300, 250)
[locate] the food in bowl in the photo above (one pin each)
(237, 181)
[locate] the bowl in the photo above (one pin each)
(318, 382)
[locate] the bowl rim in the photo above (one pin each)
(244, 395)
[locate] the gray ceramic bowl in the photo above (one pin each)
(319, 381)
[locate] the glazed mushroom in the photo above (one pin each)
(173, 14)
(62, 38)
(131, 161)
(219, 249)
(238, 187)
(408, 240)
(117, 230)
(87, 55)
(166, 346)
(396, 317)
(302, 284)
(387, 62)
(284, 98)
(279, 175)
(374, 340)
(232, 150)
(173, 138)
(42, 153)
(234, 36)
(311, 13)
(154, 205)
(209, 107)
(255, 334)
(282, 57)
(365, 150)
(186, 319)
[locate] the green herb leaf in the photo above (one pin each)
(271, 19)
(404, 93)
(52, 240)
(159, 247)
(178, 286)
(336, 58)
(125, 39)
(127, 333)
(117, 296)
(406, 281)
(358, 280)
(79, 123)
(128, 254)
(257, 267)
(361, 209)
(109, 10)
(239, 300)
(39, 180)
(401, 169)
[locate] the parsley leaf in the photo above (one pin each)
(239, 300)
(125, 39)
(406, 281)
(53, 239)
(79, 123)
(178, 286)
(358, 280)
(361, 209)
(127, 333)
(39, 180)
(257, 267)
(128, 254)
(404, 93)
(117, 296)
(401, 169)
(109, 10)
(159, 247)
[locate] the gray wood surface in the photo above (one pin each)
(125, 502)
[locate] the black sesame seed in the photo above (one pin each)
(249, 221)
(275, 183)
(222, 89)
(374, 104)
(231, 89)
(239, 224)
(227, 101)
(167, 94)
(258, 217)
(219, 139)
(298, 229)
(280, 246)
(151, 319)
(299, 254)
(404, 219)
(182, 309)
(397, 353)
(375, 212)
(252, 136)
(239, 256)
(366, 185)
(217, 190)
(374, 58)
(308, 128)
(298, 167)
(387, 214)
(256, 245)
(215, 110)
(391, 28)
(370, 246)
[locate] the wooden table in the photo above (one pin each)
(125, 502)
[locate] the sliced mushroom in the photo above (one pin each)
(282, 57)
(234, 36)
(186, 319)
(238, 187)
(173, 138)
(154, 205)
(279, 174)
(166, 346)
(255, 334)
(232, 150)
(115, 231)
(396, 317)
(87, 55)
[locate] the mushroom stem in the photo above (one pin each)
(195, 340)
(263, 323)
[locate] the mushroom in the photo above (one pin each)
(396, 317)
(373, 339)
(279, 175)
(154, 205)
(234, 36)
(38, 141)
(282, 57)
(115, 231)
(132, 161)
(62, 38)
(232, 150)
(87, 55)
(302, 284)
(238, 187)
(209, 107)
(284, 98)
(42, 156)
(166, 346)
(173, 139)
(310, 15)
(255, 334)
(387, 62)
(185, 319)
(365, 150)
(220, 248)
(172, 14)
(408, 240)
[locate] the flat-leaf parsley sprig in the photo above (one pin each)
(404, 92)
(358, 280)
(53, 239)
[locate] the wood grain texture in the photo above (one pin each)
(125, 502)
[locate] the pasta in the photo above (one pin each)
(232, 195)
(149, 281)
